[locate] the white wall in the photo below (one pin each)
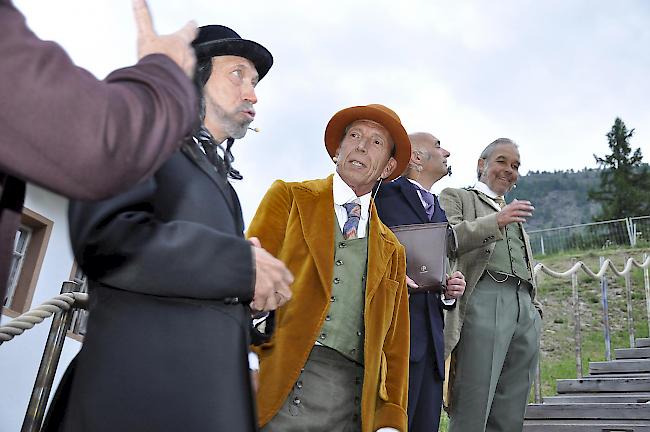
(20, 357)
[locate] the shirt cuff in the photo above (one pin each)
(253, 361)
(447, 302)
(387, 429)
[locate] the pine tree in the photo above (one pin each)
(624, 179)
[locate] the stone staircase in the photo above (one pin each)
(614, 397)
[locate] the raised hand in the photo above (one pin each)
(176, 46)
(516, 211)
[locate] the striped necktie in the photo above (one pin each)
(500, 200)
(354, 215)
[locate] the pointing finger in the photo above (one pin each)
(143, 19)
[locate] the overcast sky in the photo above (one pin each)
(551, 75)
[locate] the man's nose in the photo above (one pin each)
(361, 145)
(249, 94)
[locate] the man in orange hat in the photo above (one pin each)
(338, 357)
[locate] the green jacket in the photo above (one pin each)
(474, 219)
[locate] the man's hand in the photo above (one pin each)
(455, 286)
(411, 283)
(272, 280)
(516, 211)
(176, 45)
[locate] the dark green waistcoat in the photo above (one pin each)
(342, 329)
(509, 254)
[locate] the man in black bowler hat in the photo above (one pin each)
(172, 280)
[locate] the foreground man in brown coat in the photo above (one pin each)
(63, 129)
(338, 360)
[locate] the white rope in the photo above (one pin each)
(37, 315)
(631, 262)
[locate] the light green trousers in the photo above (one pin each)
(326, 397)
(495, 358)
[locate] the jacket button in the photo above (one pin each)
(332, 299)
(342, 245)
(296, 401)
(339, 262)
(359, 333)
(323, 336)
(487, 251)
(328, 318)
(299, 384)
(337, 280)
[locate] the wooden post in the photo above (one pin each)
(646, 283)
(537, 384)
(603, 295)
(628, 298)
(576, 320)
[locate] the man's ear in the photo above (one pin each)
(480, 167)
(389, 168)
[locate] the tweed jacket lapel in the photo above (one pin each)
(380, 250)
(315, 203)
(490, 202)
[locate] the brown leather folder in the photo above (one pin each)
(427, 248)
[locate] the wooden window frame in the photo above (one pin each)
(32, 262)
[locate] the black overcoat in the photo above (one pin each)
(167, 338)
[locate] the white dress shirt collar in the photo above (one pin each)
(344, 194)
(485, 189)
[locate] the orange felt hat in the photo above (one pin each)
(377, 113)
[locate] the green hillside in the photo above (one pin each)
(560, 197)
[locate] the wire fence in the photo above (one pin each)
(632, 231)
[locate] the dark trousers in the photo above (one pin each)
(425, 394)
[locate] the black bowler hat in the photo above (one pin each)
(218, 40)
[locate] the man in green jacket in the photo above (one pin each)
(493, 334)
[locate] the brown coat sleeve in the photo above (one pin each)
(73, 134)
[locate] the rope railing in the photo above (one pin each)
(605, 265)
(29, 319)
(631, 262)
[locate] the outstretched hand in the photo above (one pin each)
(176, 46)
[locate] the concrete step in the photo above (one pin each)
(634, 366)
(603, 385)
(599, 398)
(632, 353)
(593, 411)
(585, 426)
(642, 343)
